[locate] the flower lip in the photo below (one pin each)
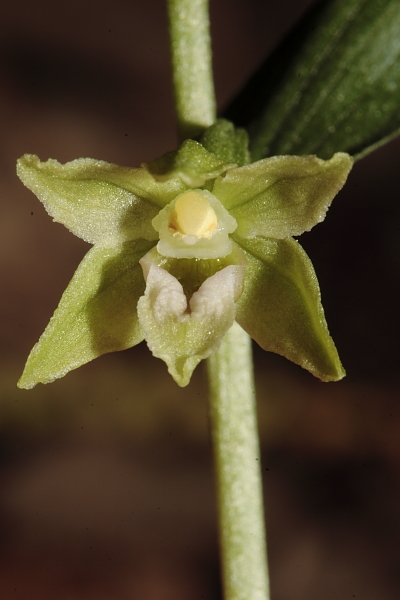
(183, 330)
(194, 225)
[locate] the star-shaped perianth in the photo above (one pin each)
(182, 247)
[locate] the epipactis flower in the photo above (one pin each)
(184, 246)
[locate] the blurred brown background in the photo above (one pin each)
(106, 476)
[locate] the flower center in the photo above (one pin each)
(194, 225)
(193, 215)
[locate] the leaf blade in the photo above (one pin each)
(334, 85)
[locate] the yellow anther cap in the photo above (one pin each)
(193, 215)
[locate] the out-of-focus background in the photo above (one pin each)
(106, 484)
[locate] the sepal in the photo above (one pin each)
(96, 314)
(280, 307)
(102, 203)
(282, 196)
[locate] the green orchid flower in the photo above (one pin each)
(184, 246)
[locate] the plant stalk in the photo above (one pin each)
(189, 30)
(238, 470)
(230, 368)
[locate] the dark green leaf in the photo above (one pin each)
(333, 85)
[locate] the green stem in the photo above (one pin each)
(230, 368)
(191, 64)
(238, 471)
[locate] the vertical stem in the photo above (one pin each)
(238, 471)
(230, 368)
(191, 63)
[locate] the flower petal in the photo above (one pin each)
(102, 203)
(96, 314)
(191, 162)
(282, 196)
(182, 337)
(281, 309)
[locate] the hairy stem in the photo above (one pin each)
(191, 65)
(230, 368)
(238, 471)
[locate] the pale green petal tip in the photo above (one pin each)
(22, 384)
(335, 374)
(37, 371)
(27, 382)
(323, 361)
